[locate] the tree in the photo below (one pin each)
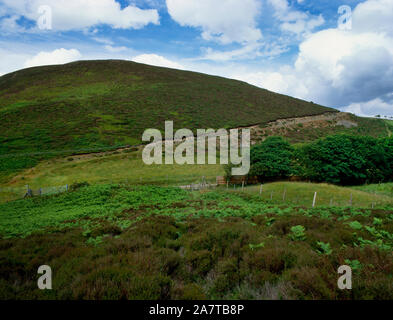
(347, 160)
(272, 159)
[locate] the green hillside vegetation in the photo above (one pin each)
(93, 104)
(365, 127)
(124, 242)
(90, 106)
(99, 168)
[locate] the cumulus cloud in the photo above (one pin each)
(224, 21)
(58, 56)
(157, 60)
(350, 70)
(295, 21)
(375, 15)
(371, 108)
(79, 14)
(343, 67)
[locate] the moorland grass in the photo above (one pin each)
(100, 104)
(118, 242)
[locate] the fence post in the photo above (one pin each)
(350, 200)
(243, 186)
(284, 195)
(315, 199)
(271, 195)
(261, 190)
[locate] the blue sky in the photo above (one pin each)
(294, 47)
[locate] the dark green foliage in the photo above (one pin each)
(271, 159)
(347, 160)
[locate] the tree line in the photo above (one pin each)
(337, 159)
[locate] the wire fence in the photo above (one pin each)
(13, 193)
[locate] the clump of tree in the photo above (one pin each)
(347, 160)
(338, 159)
(272, 159)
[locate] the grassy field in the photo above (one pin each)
(114, 242)
(385, 189)
(302, 194)
(126, 167)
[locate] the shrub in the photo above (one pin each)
(297, 233)
(324, 248)
(271, 159)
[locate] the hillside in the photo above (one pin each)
(106, 103)
(85, 106)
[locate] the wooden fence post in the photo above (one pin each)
(350, 200)
(315, 199)
(261, 190)
(284, 195)
(271, 195)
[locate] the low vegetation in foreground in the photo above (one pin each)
(114, 242)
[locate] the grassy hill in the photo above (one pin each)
(89, 106)
(99, 104)
(106, 103)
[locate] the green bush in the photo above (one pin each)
(347, 160)
(272, 159)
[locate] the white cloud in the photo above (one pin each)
(342, 69)
(79, 14)
(58, 56)
(247, 51)
(375, 16)
(295, 21)
(371, 108)
(114, 49)
(224, 21)
(156, 60)
(10, 25)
